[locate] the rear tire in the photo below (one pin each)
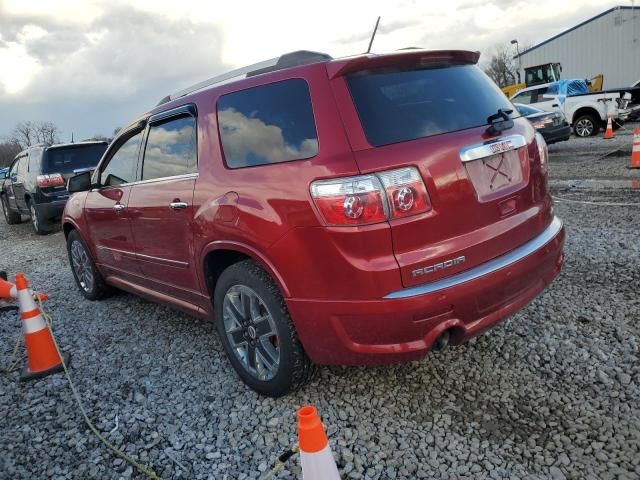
(257, 332)
(586, 125)
(10, 216)
(37, 222)
(87, 276)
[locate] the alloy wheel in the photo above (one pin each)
(82, 266)
(584, 127)
(34, 217)
(251, 332)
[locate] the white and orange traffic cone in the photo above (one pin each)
(635, 150)
(315, 453)
(608, 133)
(42, 355)
(8, 291)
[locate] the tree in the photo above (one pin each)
(8, 151)
(502, 67)
(30, 133)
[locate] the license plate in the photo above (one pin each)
(495, 174)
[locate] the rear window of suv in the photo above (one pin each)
(68, 159)
(396, 105)
(267, 124)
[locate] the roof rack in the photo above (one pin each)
(288, 60)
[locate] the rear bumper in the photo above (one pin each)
(404, 324)
(556, 134)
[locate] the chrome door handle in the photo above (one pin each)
(178, 205)
(118, 207)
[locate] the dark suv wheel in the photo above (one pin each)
(87, 276)
(11, 217)
(257, 333)
(38, 224)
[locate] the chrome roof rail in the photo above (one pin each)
(288, 60)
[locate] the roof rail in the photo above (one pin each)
(288, 60)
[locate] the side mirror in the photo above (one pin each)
(79, 183)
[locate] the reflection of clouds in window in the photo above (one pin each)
(251, 141)
(123, 163)
(170, 149)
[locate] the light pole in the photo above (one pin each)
(515, 42)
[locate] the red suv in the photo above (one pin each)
(352, 211)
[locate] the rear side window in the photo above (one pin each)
(122, 165)
(397, 105)
(71, 158)
(268, 124)
(171, 149)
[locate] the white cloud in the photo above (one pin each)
(90, 65)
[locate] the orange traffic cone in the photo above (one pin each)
(8, 291)
(635, 150)
(609, 131)
(42, 355)
(315, 453)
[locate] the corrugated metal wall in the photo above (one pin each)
(608, 45)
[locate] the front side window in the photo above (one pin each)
(122, 164)
(267, 124)
(171, 149)
(16, 166)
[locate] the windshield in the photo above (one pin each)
(68, 159)
(399, 105)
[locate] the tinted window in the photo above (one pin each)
(68, 159)
(400, 105)
(171, 149)
(267, 124)
(524, 97)
(122, 165)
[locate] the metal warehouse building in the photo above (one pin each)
(608, 43)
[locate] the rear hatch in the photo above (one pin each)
(431, 111)
(66, 161)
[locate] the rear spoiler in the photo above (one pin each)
(344, 66)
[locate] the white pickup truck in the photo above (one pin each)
(586, 112)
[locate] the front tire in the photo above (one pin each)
(257, 332)
(87, 276)
(586, 125)
(10, 216)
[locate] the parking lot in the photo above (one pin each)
(551, 393)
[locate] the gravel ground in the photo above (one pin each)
(551, 393)
(594, 157)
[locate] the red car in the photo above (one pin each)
(351, 211)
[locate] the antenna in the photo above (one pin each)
(71, 137)
(375, 29)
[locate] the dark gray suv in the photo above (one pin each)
(35, 185)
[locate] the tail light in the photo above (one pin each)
(543, 123)
(367, 199)
(51, 180)
(543, 152)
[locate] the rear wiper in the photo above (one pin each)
(499, 122)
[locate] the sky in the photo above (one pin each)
(90, 66)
